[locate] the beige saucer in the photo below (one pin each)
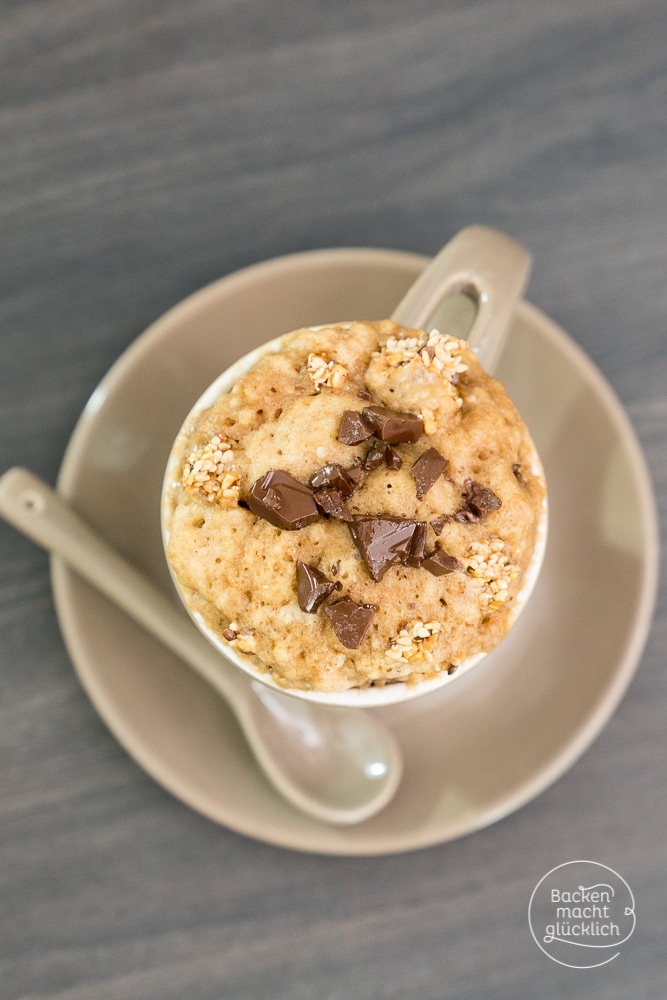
(542, 696)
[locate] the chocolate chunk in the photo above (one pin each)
(480, 499)
(440, 562)
(335, 566)
(382, 541)
(229, 634)
(354, 472)
(350, 621)
(374, 458)
(427, 469)
(392, 459)
(396, 428)
(333, 477)
(283, 501)
(332, 502)
(465, 516)
(353, 428)
(452, 668)
(516, 469)
(364, 394)
(418, 546)
(438, 524)
(312, 587)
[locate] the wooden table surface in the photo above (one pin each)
(148, 147)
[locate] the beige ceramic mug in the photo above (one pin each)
(490, 269)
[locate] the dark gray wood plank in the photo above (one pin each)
(149, 147)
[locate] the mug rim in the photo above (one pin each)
(371, 695)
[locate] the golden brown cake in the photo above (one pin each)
(360, 508)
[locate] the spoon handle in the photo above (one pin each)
(37, 511)
(489, 267)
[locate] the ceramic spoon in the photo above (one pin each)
(336, 764)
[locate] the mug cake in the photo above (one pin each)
(361, 505)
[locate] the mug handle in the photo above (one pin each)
(486, 265)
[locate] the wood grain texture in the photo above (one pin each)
(148, 147)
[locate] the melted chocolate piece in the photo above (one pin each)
(383, 541)
(350, 621)
(418, 546)
(283, 501)
(354, 472)
(516, 469)
(440, 562)
(392, 459)
(353, 428)
(396, 428)
(427, 469)
(312, 587)
(333, 477)
(465, 516)
(480, 499)
(374, 458)
(332, 503)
